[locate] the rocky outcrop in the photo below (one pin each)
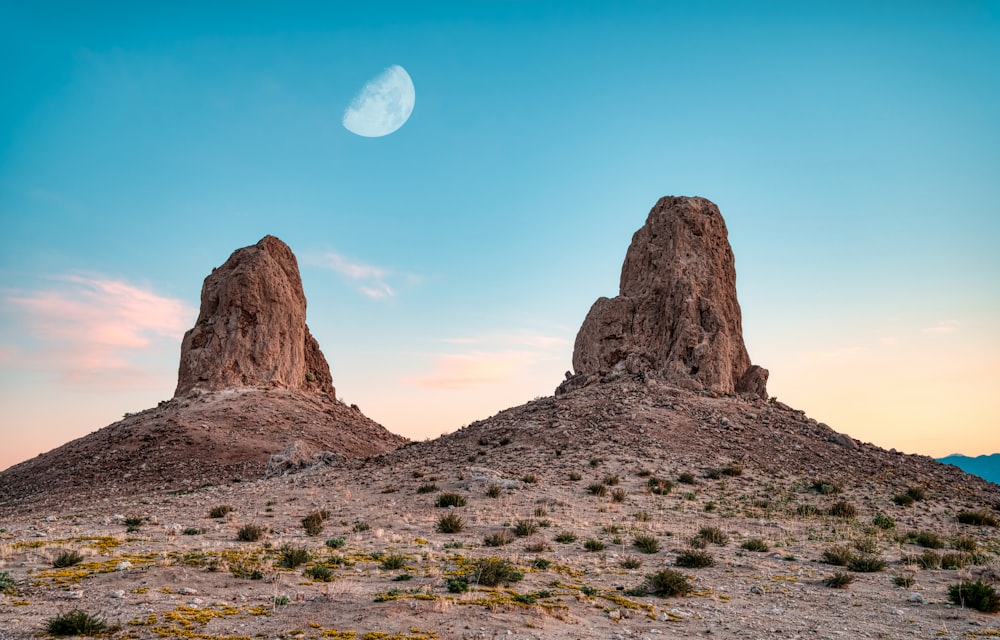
(677, 316)
(251, 330)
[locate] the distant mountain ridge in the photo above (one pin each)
(986, 467)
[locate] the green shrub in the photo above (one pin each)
(905, 580)
(192, 531)
(755, 544)
(917, 493)
(964, 543)
(733, 470)
(825, 488)
(806, 510)
(494, 491)
(427, 488)
(631, 562)
(713, 474)
(903, 499)
(319, 572)
(981, 518)
(499, 539)
(714, 535)
(598, 489)
(360, 527)
(529, 478)
(336, 543)
(929, 540)
(839, 556)
(450, 523)
(6, 582)
(67, 558)
(866, 545)
(393, 561)
(524, 528)
(458, 585)
(667, 583)
(839, 580)
(220, 511)
(541, 563)
(132, 523)
(844, 510)
(659, 487)
(977, 595)
(450, 500)
(866, 564)
(250, 533)
(313, 523)
(647, 543)
(491, 572)
(929, 560)
(686, 478)
(565, 537)
(883, 521)
(695, 559)
(954, 560)
(611, 480)
(593, 544)
(76, 623)
(290, 557)
(618, 494)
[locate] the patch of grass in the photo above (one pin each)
(494, 491)
(929, 560)
(964, 543)
(593, 544)
(499, 539)
(866, 564)
(450, 523)
(220, 511)
(977, 595)
(954, 561)
(393, 561)
(929, 540)
(667, 583)
(843, 509)
(806, 510)
(529, 478)
(980, 518)
(430, 487)
(618, 494)
(905, 580)
(450, 500)
(825, 488)
(642, 516)
(458, 585)
(611, 480)
(883, 521)
(67, 558)
(491, 572)
(596, 462)
(646, 543)
(839, 580)
(714, 535)
(713, 474)
(360, 527)
(755, 544)
(686, 478)
(866, 545)
(319, 572)
(565, 537)
(336, 543)
(695, 559)
(132, 523)
(537, 547)
(313, 523)
(6, 582)
(903, 499)
(76, 623)
(917, 493)
(541, 563)
(524, 528)
(732, 470)
(839, 556)
(192, 531)
(250, 533)
(659, 486)
(598, 489)
(290, 556)
(575, 477)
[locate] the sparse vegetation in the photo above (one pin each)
(132, 523)
(905, 580)
(450, 500)
(686, 478)
(360, 527)
(250, 533)
(647, 543)
(964, 543)
(598, 489)
(450, 523)
(695, 559)
(524, 528)
(220, 511)
(565, 537)
(313, 523)
(980, 518)
(611, 480)
(631, 562)
(492, 572)
(714, 535)
(618, 494)
(917, 493)
(499, 539)
(824, 487)
(429, 487)
(575, 477)
(392, 562)
(494, 491)
(839, 556)
(336, 543)
(977, 595)
(192, 531)
(67, 558)
(290, 556)
(866, 564)
(883, 521)
(458, 585)
(839, 580)
(929, 539)
(6, 582)
(529, 478)
(593, 544)
(319, 572)
(667, 583)
(806, 510)
(658, 486)
(929, 560)
(732, 470)
(76, 623)
(843, 509)
(903, 499)
(754, 544)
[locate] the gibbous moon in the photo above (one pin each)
(383, 105)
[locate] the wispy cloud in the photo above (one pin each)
(837, 354)
(946, 326)
(87, 326)
(372, 281)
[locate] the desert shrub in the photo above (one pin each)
(929, 560)
(977, 595)
(539, 546)
(359, 527)
(220, 511)
(866, 545)
(596, 462)
(647, 543)
(499, 539)
(541, 563)
(132, 523)
(631, 562)
(644, 473)
(319, 572)
(593, 544)
(981, 518)
(575, 477)
(6, 582)
(250, 533)
(714, 535)
(825, 488)
(67, 558)
(658, 486)
(903, 499)
(917, 493)
(755, 544)
(450, 523)
(246, 567)
(929, 540)
(713, 474)
(883, 521)
(866, 564)
(336, 543)
(430, 487)
(505, 441)
(839, 580)
(839, 556)
(643, 516)
(290, 556)
(905, 580)
(393, 561)
(529, 478)
(458, 585)
(964, 543)
(667, 583)
(806, 510)
(843, 509)
(541, 511)
(524, 528)
(618, 494)
(450, 500)
(732, 470)
(565, 537)
(598, 489)
(494, 491)
(491, 572)
(192, 531)
(313, 523)
(611, 480)
(76, 623)
(695, 559)
(954, 560)
(686, 478)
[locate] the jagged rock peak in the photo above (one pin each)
(251, 330)
(676, 316)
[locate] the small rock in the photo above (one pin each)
(117, 594)
(759, 590)
(187, 591)
(124, 565)
(615, 614)
(75, 595)
(916, 598)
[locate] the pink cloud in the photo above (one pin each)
(461, 371)
(91, 327)
(947, 326)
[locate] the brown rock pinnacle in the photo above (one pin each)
(251, 330)
(677, 316)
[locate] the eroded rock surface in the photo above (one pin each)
(677, 316)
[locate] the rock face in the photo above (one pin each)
(251, 330)
(677, 317)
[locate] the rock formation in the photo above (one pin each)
(676, 317)
(251, 330)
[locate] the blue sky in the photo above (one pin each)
(854, 149)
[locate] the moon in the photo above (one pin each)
(383, 105)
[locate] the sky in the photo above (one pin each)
(853, 148)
